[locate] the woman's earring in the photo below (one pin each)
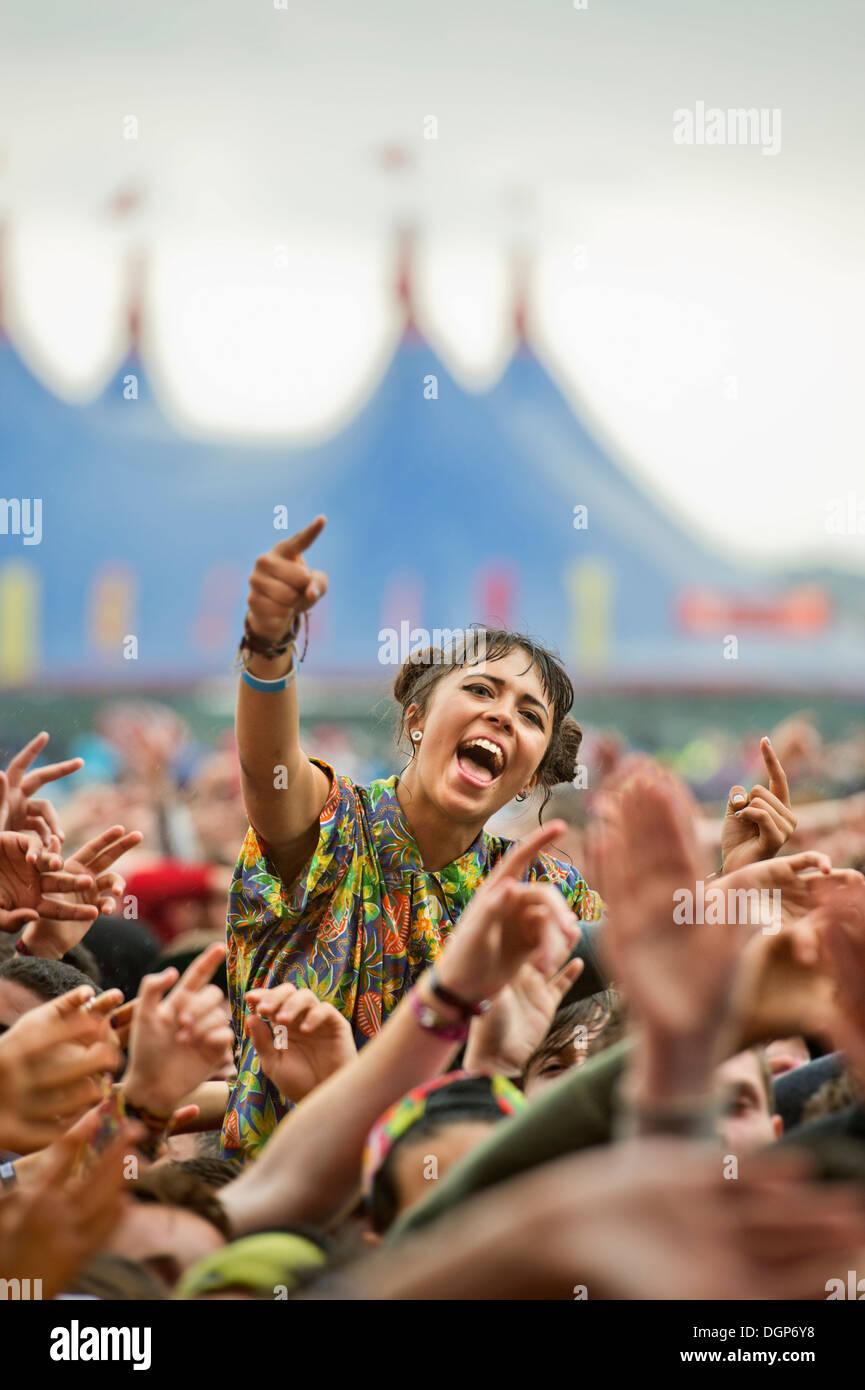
(522, 796)
(417, 735)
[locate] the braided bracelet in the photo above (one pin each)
(252, 645)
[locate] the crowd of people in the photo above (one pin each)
(479, 1029)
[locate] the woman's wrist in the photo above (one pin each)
(432, 1001)
(458, 983)
(33, 942)
(279, 653)
(664, 1072)
(270, 668)
(146, 1101)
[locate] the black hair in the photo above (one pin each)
(167, 1184)
(216, 1172)
(603, 1017)
(47, 979)
(84, 960)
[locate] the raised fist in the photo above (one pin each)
(282, 584)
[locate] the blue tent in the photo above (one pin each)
(444, 507)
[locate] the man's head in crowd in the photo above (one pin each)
(28, 981)
(578, 1031)
(747, 1119)
(172, 1221)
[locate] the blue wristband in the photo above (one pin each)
(272, 687)
(267, 687)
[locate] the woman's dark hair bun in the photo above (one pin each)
(560, 764)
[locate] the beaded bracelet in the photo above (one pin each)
(433, 1022)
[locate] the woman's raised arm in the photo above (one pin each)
(282, 790)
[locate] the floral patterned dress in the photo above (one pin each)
(357, 927)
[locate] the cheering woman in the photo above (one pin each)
(350, 891)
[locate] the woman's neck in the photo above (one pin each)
(439, 839)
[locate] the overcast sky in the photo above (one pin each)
(702, 302)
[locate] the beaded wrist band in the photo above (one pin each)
(433, 1022)
(253, 645)
(467, 1008)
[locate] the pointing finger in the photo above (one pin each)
(31, 750)
(200, 971)
(295, 545)
(777, 775)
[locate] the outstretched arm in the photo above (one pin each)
(282, 790)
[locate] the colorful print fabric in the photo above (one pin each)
(358, 927)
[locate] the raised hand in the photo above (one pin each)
(656, 1219)
(842, 954)
(794, 878)
(757, 823)
(282, 584)
(51, 1226)
(300, 1039)
(24, 810)
(99, 890)
(507, 923)
(504, 1038)
(670, 973)
(786, 985)
(177, 1038)
(678, 978)
(28, 874)
(781, 990)
(51, 1061)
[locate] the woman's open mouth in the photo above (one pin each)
(480, 761)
